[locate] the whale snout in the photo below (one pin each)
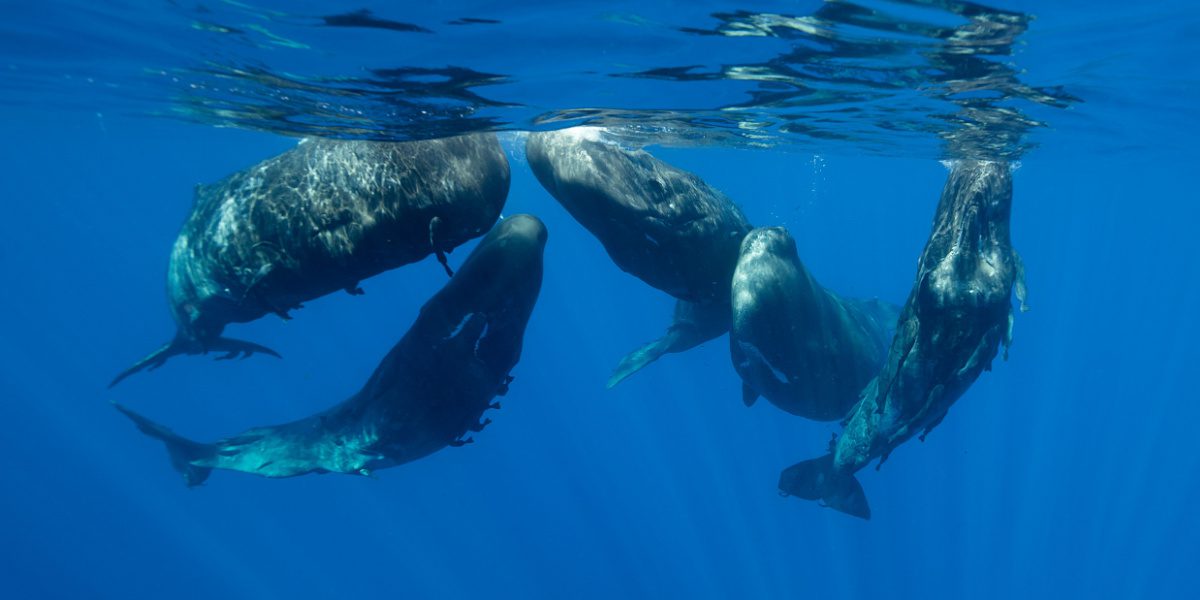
(768, 240)
(769, 235)
(983, 184)
(526, 228)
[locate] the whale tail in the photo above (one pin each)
(816, 479)
(183, 452)
(182, 345)
(692, 325)
(635, 361)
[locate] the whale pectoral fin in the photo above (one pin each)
(235, 348)
(184, 453)
(152, 361)
(354, 289)
(1006, 343)
(816, 479)
(445, 262)
(749, 396)
(1021, 291)
(434, 225)
(931, 426)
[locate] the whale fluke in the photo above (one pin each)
(635, 361)
(816, 479)
(231, 347)
(692, 325)
(238, 348)
(181, 450)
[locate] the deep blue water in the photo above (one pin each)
(1070, 470)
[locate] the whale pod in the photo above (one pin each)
(803, 347)
(430, 390)
(958, 314)
(659, 223)
(319, 218)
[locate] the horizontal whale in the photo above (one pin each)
(320, 218)
(661, 224)
(806, 349)
(952, 326)
(428, 392)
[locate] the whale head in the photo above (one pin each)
(493, 293)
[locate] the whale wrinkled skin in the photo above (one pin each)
(801, 346)
(320, 218)
(956, 318)
(659, 223)
(430, 390)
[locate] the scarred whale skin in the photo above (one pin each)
(956, 318)
(320, 218)
(659, 223)
(803, 347)
(428, 392)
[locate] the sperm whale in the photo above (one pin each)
(319, 218)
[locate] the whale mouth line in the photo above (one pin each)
(462, 323)
(754, 354)
(482, 334)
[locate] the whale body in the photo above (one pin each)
(806, 349)
(957, 316)
(430, 390)
(659, 223)
(319, 218)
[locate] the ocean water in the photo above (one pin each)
(1069, 471)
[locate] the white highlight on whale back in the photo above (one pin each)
(1013, 166)
(585, 133)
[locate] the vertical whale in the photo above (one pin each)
(806, 349)
(952, 326)
(661, 224)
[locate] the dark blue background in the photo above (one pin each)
(1069, 471)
